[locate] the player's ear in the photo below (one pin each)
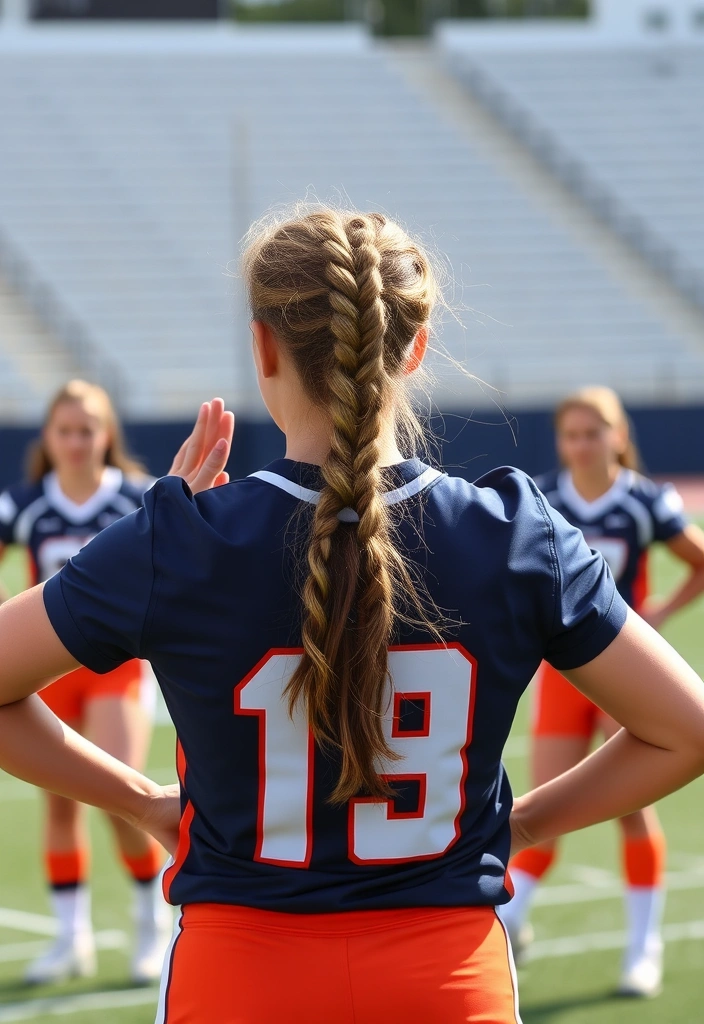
(420, 347)
(266, 350)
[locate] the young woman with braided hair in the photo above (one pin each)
(343, 822)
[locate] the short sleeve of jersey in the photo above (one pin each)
(9, 511)
(98, 603)
(667, 511)
(589, 612)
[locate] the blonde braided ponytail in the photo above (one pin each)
(349, 312)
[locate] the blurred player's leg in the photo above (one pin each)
(561, 730)
(644, 853)
(66, 863)
(120, 726)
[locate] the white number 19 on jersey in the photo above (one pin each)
(437, 683)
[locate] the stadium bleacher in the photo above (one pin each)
(623, 127)
(129, 177)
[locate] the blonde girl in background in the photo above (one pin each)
(79, 481)
(621, 514)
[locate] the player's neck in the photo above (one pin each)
(79, 486)
(594, 483)
(309, 442)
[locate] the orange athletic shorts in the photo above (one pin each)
(238, 965)
(67, 697)
(559, 708)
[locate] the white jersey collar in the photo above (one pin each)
(110, 484)
(348, 515)
(589, 511)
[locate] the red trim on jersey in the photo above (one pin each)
(260, 714)
(32, 568)
(415, 698)
(391, 812)
(641, 583)
(391, 777)
(184, 830)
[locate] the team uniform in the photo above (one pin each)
(287, 898)
(622, 524)
(52, 528)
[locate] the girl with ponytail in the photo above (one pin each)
(621, 513)
(342, 826)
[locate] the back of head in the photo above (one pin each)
(346, 294)
(609, 408)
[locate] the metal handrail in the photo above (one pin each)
(574, 174)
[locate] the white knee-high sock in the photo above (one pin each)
(72, 908)
(644, 909)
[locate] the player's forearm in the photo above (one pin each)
(692, 587)
(620, 777)
(37, 747)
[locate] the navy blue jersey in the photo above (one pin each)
(52, 528)
(622, 523)
(207, 588)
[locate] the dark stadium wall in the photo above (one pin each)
(671, 441)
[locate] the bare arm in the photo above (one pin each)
(34, 744)
(659, 700)
(688, 546)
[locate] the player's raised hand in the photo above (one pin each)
(202, 457)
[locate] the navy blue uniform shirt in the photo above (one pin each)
(52, 528)
(622, 523)
(206, 588)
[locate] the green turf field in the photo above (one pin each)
(578, 923)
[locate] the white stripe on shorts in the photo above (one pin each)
(166, 971)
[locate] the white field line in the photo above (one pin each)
(23, 921)
(557, 895)
(109, 939)
(65, 1006)
(575, 945)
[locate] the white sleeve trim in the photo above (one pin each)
(8, 508)
(667, 505)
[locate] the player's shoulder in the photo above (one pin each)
(18, 497)
(661, 499)
(505, 494)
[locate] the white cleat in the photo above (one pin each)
(69, 957)
(642, 978)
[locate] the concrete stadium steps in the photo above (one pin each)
(33, 364)
(625, 127)
(130, 178)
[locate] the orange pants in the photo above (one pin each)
(238, 965)
(560, 709)
(67, 697)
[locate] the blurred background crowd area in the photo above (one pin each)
(548, 152)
